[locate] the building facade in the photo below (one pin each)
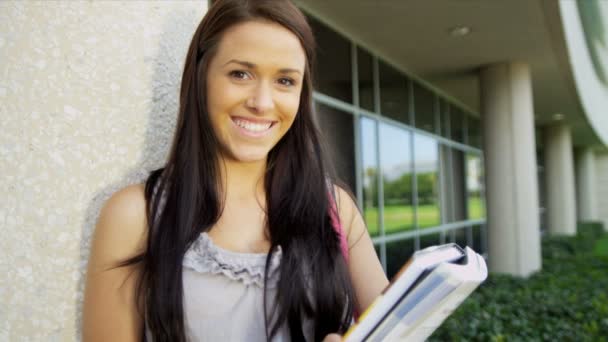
(450, 123)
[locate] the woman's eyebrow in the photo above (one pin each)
(253, 66)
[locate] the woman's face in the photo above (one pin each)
(254, 83)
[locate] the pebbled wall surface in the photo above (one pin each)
(88, 100)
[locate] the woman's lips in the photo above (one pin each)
(253, 127)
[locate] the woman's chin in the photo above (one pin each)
(250, 156)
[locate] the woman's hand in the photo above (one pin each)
(332, 338)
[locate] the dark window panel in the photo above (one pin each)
(444, 119)
(477, 239)
(394, 97)
(424, 108)
(460, 237)
(397, 254)
(333, 74)
(429, 240)
(337, 130)
(366, 79)
(457, 124)
(474, 132)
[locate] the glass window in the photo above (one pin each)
(459, 183)
(426, 160)
(452, 184)
(460, 237)
(444, 120)
(394, 97)
(366, 79)
(475, 203)
(430, 240)
(397, 254)
(333, 74)
(478, 239)
(457, 124)
(424, 108)
(369, 175)
(473, 132)
(337, 129)
(395, 163)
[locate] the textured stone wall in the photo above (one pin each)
(88, 99)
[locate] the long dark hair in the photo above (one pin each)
(314, 282)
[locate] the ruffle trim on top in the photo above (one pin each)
(206, 257)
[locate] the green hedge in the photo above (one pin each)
(566, 301)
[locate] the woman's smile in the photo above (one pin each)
(255, 128)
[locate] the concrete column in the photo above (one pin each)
(586, 185)
(510, 166)
(559, 180)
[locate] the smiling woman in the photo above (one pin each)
(243, 234)
(254, 85)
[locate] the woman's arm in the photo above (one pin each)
(366, 272)
(110, 311)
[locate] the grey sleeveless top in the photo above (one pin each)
(223, 294)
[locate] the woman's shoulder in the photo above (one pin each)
(350, 216)
(122, 224)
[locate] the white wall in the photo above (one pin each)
(601, 164)
(88, 97)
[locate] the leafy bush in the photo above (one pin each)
(566, 301)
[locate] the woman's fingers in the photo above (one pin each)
(332, 338)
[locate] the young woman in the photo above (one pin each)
(243, 235)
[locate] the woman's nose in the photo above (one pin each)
(261, 100)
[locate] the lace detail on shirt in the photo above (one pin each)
(206, 257)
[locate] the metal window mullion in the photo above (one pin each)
(414, 177)
(450, 175)
(357, 126)
(427, 231)
(380, 185)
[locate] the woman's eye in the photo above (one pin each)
(238, 74)
(287, 81)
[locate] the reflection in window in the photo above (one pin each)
(366, 79)
(395, 163)
(460, 237)
(397, 254)
(424, 108)
(478, 239)
(475, 203)
(394, 97)
(426, 161)
(429, 240)
(333, 75)
(457, 122)
(337, 129)
(473, 132)
(452, 183)
(369, 175)
(444, 119)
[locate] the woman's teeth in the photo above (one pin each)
(254, 127)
